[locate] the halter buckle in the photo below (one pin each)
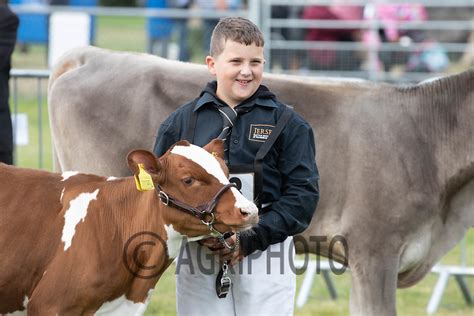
(208, 224)
(164, 198)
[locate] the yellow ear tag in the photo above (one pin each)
(214, 153)
(143, 180)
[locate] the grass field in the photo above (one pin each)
(128, 34)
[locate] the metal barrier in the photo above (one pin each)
(404, 60)
(351, 46)
(459, 272)
(162, 24)
(38, 76)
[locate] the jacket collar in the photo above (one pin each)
(261, 97)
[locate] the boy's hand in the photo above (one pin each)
(212, 243)
(225, 254)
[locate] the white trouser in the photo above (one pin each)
(264, 283)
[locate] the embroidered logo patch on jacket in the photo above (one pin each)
(260, 132)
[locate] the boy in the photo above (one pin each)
(285, 181)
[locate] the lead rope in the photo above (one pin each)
(229, 117)
(223, 281)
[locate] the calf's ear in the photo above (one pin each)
(216, 147)
(149, 161)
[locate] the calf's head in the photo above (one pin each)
(192, 177)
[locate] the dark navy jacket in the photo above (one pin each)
(8, 29)
(290, 175)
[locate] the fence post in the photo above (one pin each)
(38, 75)
(254, 12)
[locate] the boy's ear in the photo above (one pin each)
(211, 65)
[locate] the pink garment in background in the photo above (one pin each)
(393, 14)
(333, 12)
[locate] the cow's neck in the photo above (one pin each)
(123, 203)
(152, 214)
(185, 224)
(180, 226)
(447, 122)
(455, 109)
(154, 211)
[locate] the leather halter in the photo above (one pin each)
(201, 212)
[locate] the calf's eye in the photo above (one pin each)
(188, 181)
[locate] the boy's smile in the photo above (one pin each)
(238, 70)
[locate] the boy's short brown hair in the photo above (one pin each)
(236, 29)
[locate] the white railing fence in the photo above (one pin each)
(28, 106)
(425, 47)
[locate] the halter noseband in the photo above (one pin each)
(202, 212)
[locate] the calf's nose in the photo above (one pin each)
(249, 210)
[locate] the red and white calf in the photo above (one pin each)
(76, 244)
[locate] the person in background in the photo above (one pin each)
(332, 59)
(210, 24)
(429, 56)
(181, 26)
(158, 30)
(8, 29)
(253, 123)
(284, 59)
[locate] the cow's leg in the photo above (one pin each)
(62, 291)
(50, 298)
(374, 283)
(354, 304)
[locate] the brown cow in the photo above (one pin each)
(396, 163)
(76, 244)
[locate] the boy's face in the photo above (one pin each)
(238, 70)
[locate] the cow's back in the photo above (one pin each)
(105, 104)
